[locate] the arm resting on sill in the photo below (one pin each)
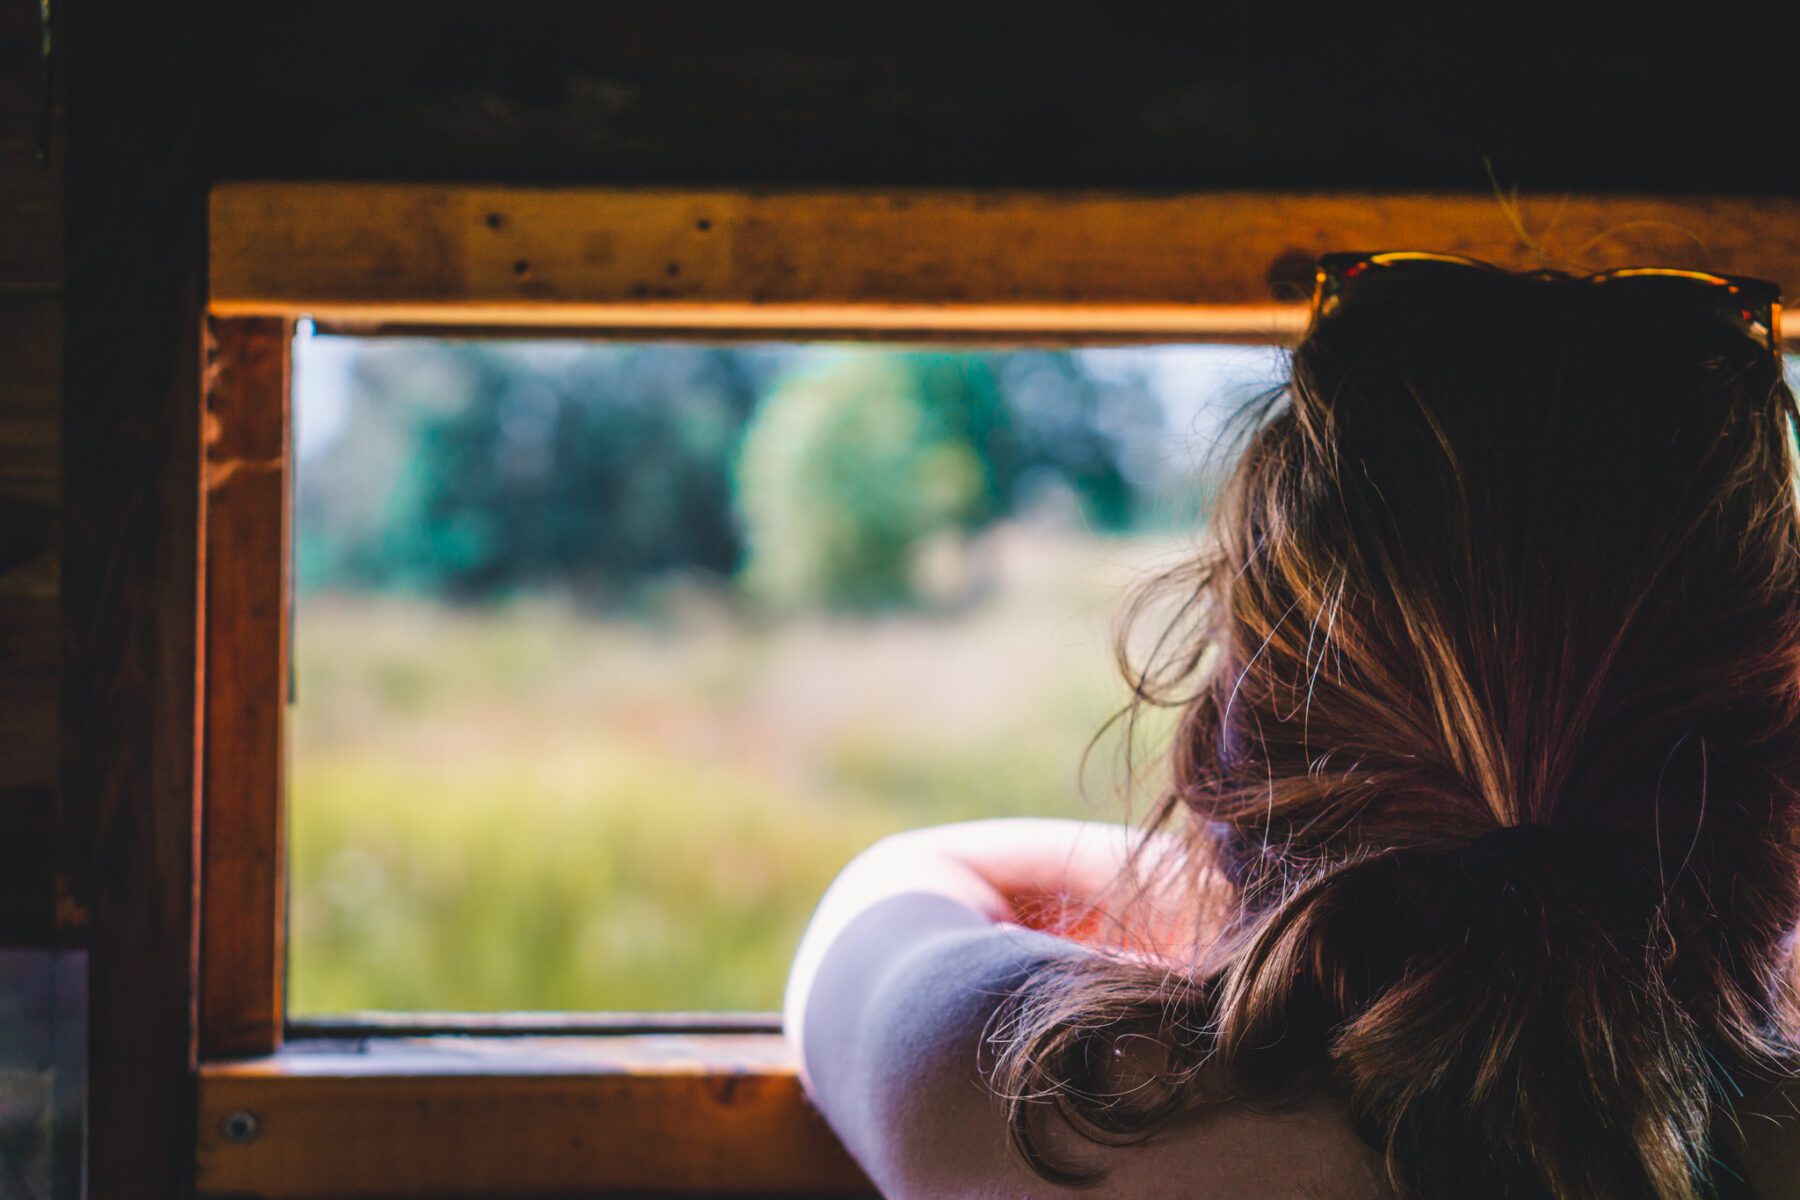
(911, 950)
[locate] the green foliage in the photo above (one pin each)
(518, 807)
(812, 475)
(849, 465)
(508, 473)
(1071, 428)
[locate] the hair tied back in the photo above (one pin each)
(1522, 848)
(1560, 860)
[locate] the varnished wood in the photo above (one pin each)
(248, 566)
(30, 570)
(1186, 266)
(135, 233)
(31, 485)
(711, 1114)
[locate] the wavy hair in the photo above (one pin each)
(1487, 717)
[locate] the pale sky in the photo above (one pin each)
(1196, 385)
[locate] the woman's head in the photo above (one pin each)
(1489, 709)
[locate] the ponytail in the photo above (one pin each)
(1509, 1004)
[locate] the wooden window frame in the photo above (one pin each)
(544, 1105)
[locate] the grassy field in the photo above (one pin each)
(525, 807)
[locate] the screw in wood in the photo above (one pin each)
(240, 1126)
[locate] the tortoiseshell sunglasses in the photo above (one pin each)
(1753, 304)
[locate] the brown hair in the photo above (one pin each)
(1488, 717)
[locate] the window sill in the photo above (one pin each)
(693, 1113)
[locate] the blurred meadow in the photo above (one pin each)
(608, 657)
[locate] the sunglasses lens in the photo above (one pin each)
(1749, 304)
(1339, 272)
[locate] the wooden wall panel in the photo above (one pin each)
(30, 458)
(30, 442)
(243, 925)
(134, 221)
(30, 153)
(31, 322)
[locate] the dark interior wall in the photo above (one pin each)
(31, 317)
(1006, 93)
(41, 989)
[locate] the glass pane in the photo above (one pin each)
(609, 656)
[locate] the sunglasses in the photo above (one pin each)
(1754, 305)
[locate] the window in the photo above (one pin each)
(548, 1103)
(608, 655)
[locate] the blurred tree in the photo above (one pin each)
(1071, 427)
(472, 470)
(585, 471)
(849, 463)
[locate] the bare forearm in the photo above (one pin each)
(1023, 859)
(1020, 870)
(890, 867)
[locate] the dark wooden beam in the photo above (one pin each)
(31, 319)
(1010, 93)
(135, 296)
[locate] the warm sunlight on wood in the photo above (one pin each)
(1213, 265)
